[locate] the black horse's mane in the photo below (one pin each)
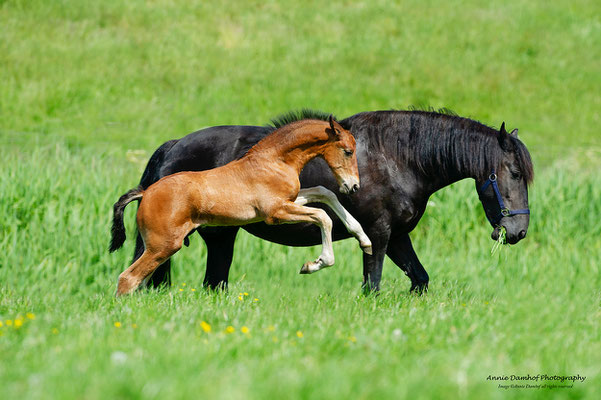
(429, 138)
(297, 115)
(441, 142)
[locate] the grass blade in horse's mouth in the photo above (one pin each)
(500, 241)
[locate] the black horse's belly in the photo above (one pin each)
(298, 235)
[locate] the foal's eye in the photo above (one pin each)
(516, 175)
(348, 153)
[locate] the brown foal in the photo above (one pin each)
(261, 186)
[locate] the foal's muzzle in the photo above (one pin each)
(349, 188)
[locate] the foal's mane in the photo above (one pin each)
(282, 127)
(441, 142)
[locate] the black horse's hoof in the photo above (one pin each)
(419, 288)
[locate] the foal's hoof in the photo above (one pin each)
(308, 268)
(367, 250)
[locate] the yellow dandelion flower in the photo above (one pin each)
(30, 315)
(255, 299)
(353, 339)
(9, 322)
(194, 290)
(184, 284)
(205, 327)
(54, 331)
(230, 329)
(246, 294)
(135, 326)
(240, 294)
(244, 329)
(462, 304)
(181, 290)
(18, 323)
(486, 302)
(275, 339)
(240, 298)
(299, 334)
(117, 324)
(271, 328)
(1, 324)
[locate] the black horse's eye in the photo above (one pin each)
(348, 153)
(516, 175)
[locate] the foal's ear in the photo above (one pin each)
(514, 133)
(334, 126)
(503, 137)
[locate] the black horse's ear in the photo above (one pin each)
(503, 137)
(514, 133)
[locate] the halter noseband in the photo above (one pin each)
(505, 212)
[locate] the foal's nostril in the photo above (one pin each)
(522, 234)
(355, 188)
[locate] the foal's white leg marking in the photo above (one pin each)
(326, 259)
(290, 213)
(320, 194)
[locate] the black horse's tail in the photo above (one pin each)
(118, 229)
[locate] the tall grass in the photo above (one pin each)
(534, 309)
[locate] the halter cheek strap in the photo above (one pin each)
(505, 212)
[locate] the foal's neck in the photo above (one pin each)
(294, 147)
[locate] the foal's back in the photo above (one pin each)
(241, 192)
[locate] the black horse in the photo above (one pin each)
(404, 157)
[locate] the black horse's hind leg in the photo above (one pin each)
(220, 250)
(372, 264)
(161, 276)
(400, 250)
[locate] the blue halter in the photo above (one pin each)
(505, 212)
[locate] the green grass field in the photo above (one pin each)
(89, 89)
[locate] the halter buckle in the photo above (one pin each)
(505, 212)
(492, 177)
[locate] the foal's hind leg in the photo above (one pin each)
(320, 194)
(292, 213)
(158, 250)
(143, 267)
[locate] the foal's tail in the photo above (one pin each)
(118, 229)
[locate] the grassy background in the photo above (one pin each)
(82, 83)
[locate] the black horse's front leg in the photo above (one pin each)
(372, 264)
(220, 251)
(400, 250)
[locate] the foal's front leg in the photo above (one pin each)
(293, 213)
(320, 194)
